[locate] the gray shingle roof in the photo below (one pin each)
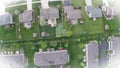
(6, 19)
(51, 58)
(95, 12)
(91, 54)
(115, 42)
(74, 15)
(114, 45)
(68, 8)
(12, 61)
(26, 16)
(50, 13)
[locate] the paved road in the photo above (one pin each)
(102, 51)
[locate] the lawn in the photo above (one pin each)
(51, 31)
(7, 34)
(27, 34)
(76, 54)
(29, 51)
(90, 26)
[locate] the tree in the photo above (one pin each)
(69, 33)
(43, 45)
(53, 43)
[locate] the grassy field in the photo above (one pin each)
(76, 54)
(27, 34)
(90, 26)
(7, 34)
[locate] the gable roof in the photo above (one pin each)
(12, 61)
(6, 19)
(114, 45)
(51, 58)
(68, 8)
(91, 54)
(74, 15)
(26, 16)
(93, 12)
(49, 13)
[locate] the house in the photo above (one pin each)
(72, 14)
(109, 12)
(50, 14)
(114, 48)
(26, 18)
(51, 58)
(92, 55)
(6, 19)
(93, 12)
(12, 61)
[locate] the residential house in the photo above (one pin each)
(92, 55)
(93, 12)
(49, 58)
(12, 61)
(72, 14)
(6, 19)
(26, 18)
(109, 12)
(50, 14)
(114, 50)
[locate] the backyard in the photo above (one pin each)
(89, 26)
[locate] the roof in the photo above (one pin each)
(114, 45)
(67, 2)
(68, 8)
(26, 16)
(91, 54)
(93, 12)
(12, 61)
(51, 58)
(49, 13)
(74, 15)
(6, 19)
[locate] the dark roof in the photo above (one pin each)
(6, 19)
(26, 16)
(51, 58)
(95, 12)
(50, 13)
(12, 61)
(74, 15)
(92, 54)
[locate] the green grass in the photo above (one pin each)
(55, 3)
(29, 51)
(48, 29)
(27, 34)
(7, 34)
(90, 26)
(76, 54)
(97, 2)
